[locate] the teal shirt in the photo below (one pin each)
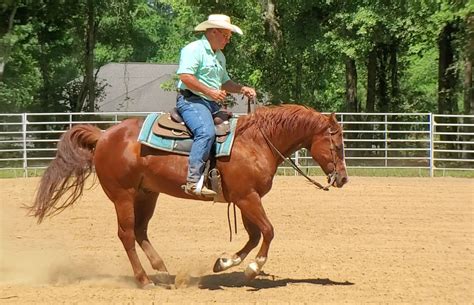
(199, 59)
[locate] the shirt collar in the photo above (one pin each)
(206, 44)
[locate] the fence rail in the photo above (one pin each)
(372, 140)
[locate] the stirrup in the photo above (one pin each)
(190, 188)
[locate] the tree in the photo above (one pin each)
(447, 72)
(361, 55)
(469, 58)
(7, 14)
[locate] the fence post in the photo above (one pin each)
(432, 130)
(24, 121)
(297, 161)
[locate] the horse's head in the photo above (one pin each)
(327, 148)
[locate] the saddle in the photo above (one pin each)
(171, 125)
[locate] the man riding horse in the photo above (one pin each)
(203, 85)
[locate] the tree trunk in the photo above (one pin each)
(351, 86)
(446, 83)
(371, 81)
(89, 57)
(4, 48)
(395, 90)
(298, 79)
(382, 88)
(468, 88)
(446, 71)
(272, 26)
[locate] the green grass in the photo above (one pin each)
(385, 172)
(19, 173)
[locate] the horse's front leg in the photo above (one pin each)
(224, 263)
(252, 210)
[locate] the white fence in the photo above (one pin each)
(423, 141)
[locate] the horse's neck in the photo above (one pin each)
(289, 141)
(286, 129)
(288, 138)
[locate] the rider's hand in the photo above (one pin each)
(248, 92)
(217, 95)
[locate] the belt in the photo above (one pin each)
(187, 93)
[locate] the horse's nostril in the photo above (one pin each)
(344, 180)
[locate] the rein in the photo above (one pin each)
(228, 220)
(331, 177)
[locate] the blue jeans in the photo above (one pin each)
(197, 115)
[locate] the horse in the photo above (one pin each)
(132, 175)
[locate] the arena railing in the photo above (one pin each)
(416, 141)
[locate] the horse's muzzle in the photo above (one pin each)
(337, 180)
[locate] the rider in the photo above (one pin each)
(203, 85)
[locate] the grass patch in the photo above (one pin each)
(20, 173)
(451, 173)
(385, 172)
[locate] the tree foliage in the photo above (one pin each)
(334, 55)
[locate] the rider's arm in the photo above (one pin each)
(194, 84)
(233, 87)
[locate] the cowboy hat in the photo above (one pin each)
(218, 21)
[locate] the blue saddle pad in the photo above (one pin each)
(181, 146)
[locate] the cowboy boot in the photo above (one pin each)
(191, 189)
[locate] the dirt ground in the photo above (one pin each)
(377, 240)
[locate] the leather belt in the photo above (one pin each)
(187, 93)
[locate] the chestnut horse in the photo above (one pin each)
(132, 175)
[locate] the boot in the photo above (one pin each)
(190, 188)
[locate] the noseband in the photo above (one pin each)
(331, 176)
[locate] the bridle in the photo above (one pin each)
(331, 176)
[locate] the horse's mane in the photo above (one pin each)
(272, 119)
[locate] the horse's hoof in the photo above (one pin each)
(148, 286)
(251, 271)
(218, 266)
(162, 278)
(224, 263)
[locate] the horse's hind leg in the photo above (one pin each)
(144, 208)
(124, 206)
(254, 233)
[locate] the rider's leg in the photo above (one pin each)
(197, 116)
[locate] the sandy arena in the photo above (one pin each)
(377, 240)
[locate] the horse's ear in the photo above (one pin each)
(333, 117)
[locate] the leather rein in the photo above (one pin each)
(331, 176)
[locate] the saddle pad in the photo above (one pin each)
(178, 146)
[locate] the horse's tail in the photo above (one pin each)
(67, 173)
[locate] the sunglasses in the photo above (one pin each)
(225, 35)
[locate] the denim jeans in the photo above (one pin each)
(197, 115)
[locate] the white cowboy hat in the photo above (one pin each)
(218, 21)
